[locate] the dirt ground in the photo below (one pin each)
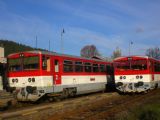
(97, 106)
(106, 109)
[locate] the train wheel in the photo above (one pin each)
(72, 92)
(57, 99)
(156, 86)
(65, 93)
(50, 99)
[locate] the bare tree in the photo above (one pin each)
(89, 51)
(116, 53)
(153, 52)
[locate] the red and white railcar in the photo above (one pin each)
(136, 73)
(35, 74)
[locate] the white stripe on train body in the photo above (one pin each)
(136, 83)
(45, 84)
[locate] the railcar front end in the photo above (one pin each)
(134, 74)
(27, 77)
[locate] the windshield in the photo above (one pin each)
(131, 65)
(26, 63)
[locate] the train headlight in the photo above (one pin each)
(16, 80)
(141, 77)
(33, 79)
(137, 77)
(29, 79)
(124, 77)
(120, 77)
(13, 80)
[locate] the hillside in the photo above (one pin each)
(12, 47)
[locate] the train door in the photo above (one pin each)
(1, 76)
(151, 68)
(56, 72)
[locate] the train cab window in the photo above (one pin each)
(14, 64)
(88, 67)
(102, 68)
(68, 66)
(46, 63)
(139, 65)
(95, 68)
(31, 63)
(56, 65)
(78, 66)
(157, 67)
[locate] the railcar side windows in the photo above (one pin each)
(102, 68)
(88, 67)
(78, 66)
(68, 66)
(108, 68)
(95, 68)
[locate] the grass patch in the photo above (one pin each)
(145, 112)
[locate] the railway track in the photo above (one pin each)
(105, 110)
(29, 110)
(92, 107)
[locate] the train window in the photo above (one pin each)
(88, 67)
(157, 67)
(14, 64)
(131, 65)
(95, 68)
(68, 66)
(102, 68)
(139, 64)
(31, 63)
(56, 65)
(46, 63)
(108, 68)
(78, 66)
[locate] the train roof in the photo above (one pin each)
(97, 58)
(136, 57)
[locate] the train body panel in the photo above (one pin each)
(32, 88)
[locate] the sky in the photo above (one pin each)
(107, 24)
